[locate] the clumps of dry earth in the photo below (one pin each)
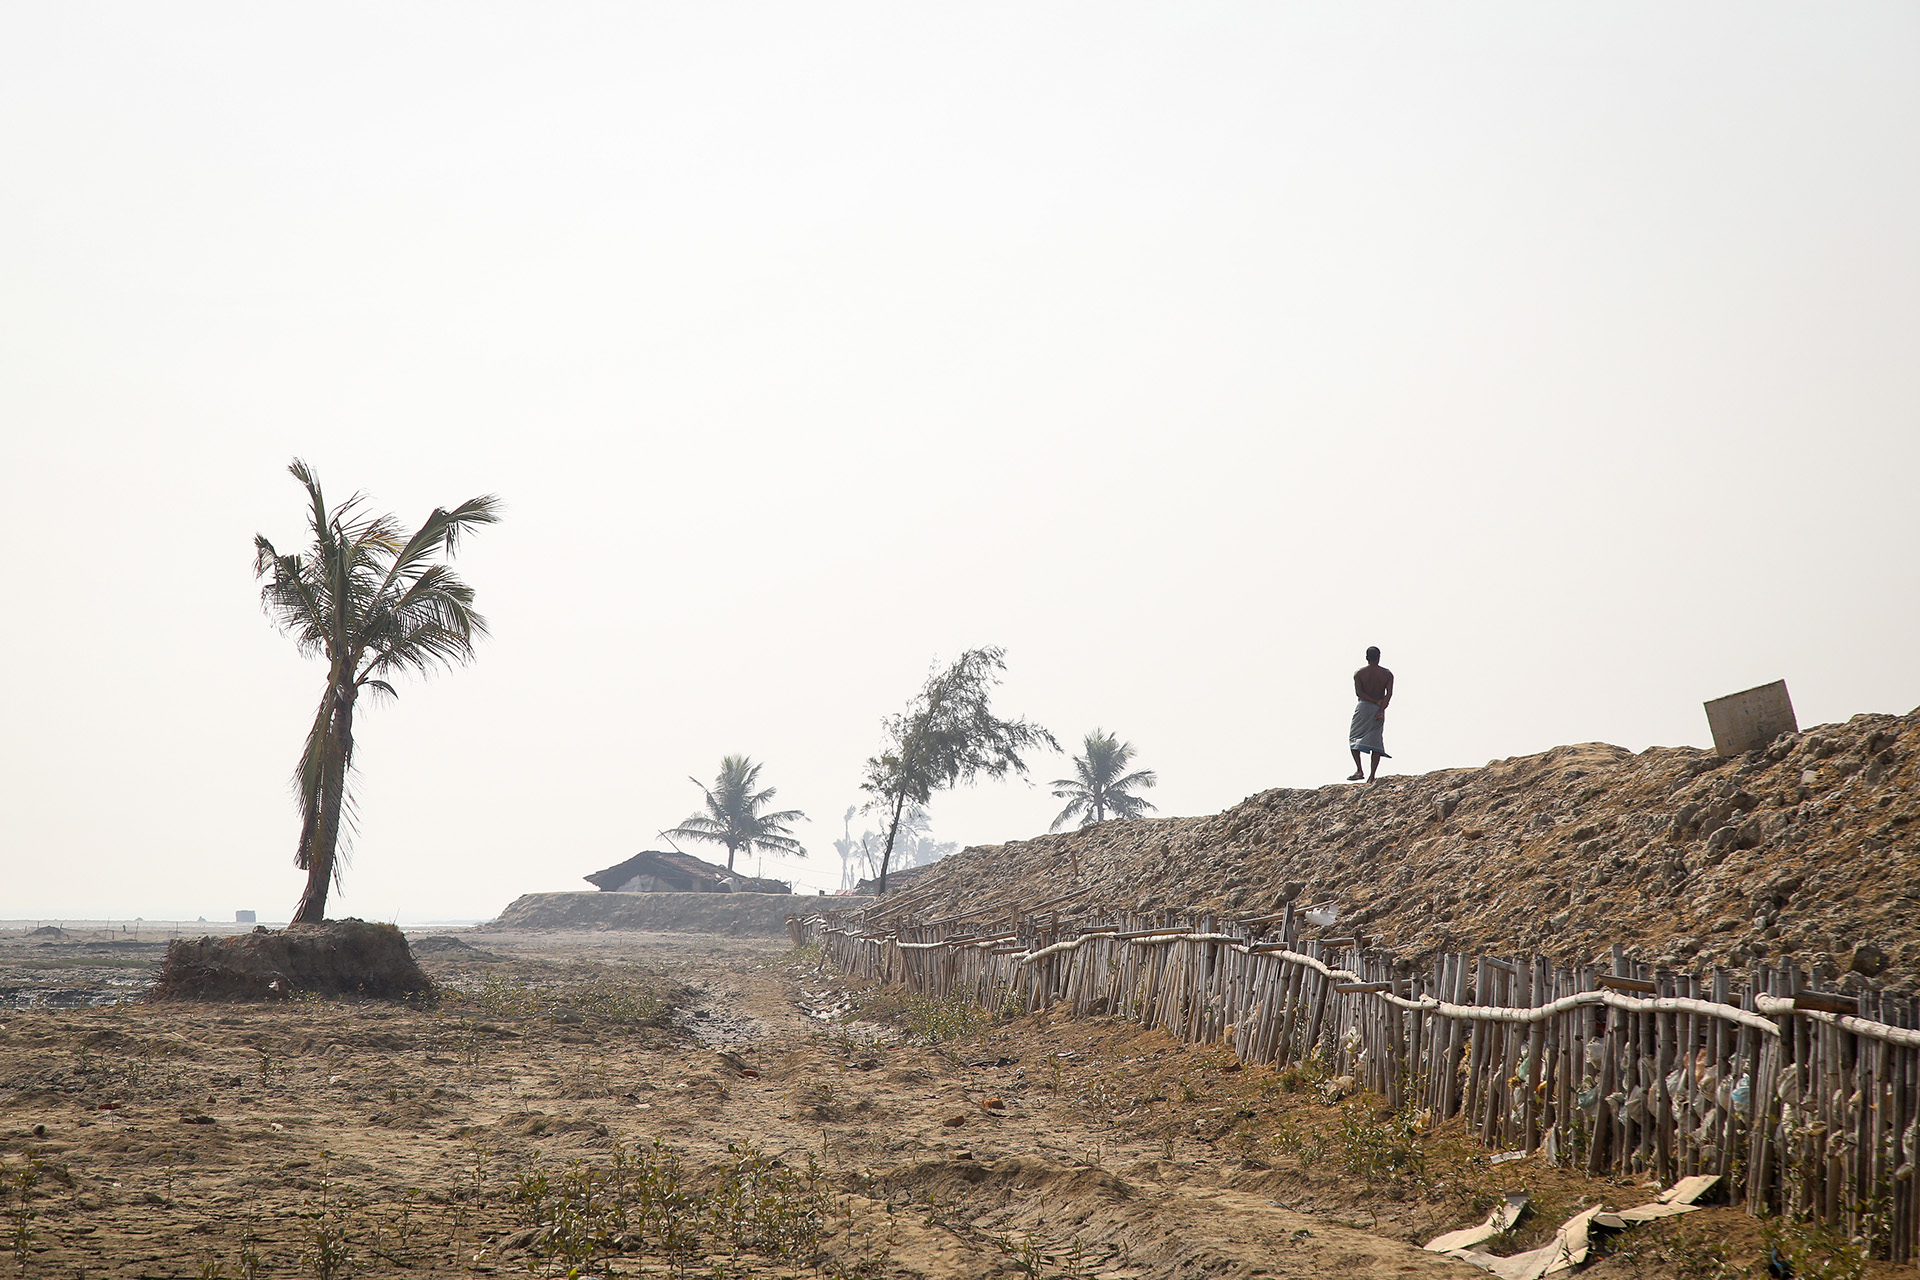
(489, 1128)
(649, 1104)
(1809, 848)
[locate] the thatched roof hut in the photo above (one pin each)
(652, 871)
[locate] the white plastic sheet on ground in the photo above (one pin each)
(1570, 1244)
(1504, 1215)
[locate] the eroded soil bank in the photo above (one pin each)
(1808, 849)
(801, 1133)
(728, 914)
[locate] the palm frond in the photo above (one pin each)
(439, 534)
(1076, 806)
(380, 687)
(780, 819)
(307, 779)
(687, 831)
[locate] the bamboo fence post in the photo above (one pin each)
(1905, 1117)
(1729, 1045)
(1426, 1058)
(1476, 1047)
(1539, 1074)
(1294, 1028)
(1497, 1127)
(1451, 1039)
(1607, 1120)
(1559, 1130)
(1433, 1036)
(1322, 987)
(1693, 1064)
(1459, 1053)
(1659, 1102)
(1901, 1207)
(1872, 1169)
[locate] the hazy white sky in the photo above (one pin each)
(1567, 352)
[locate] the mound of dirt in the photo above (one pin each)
(340, 957)
(1809, 847)
(437, 942)
(52, 933)
(736, 914)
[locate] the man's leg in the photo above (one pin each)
(1375, 775)
(1358, 773)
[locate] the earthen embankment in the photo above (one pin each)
(732, 914)
(1809, 848)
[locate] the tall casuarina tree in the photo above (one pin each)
(947, 735)
(1101, 786)
(374, 601)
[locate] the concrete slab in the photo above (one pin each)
(1751, 718)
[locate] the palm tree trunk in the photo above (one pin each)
(312, 908)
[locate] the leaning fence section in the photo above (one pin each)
(1803, 1099)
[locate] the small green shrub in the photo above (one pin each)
(19, 1210)
(1378, 1149)
(941, 1018)
(1300, 1077)
(1290, 1138)
(327, 1223)
(646, 1201)
(598, 1000)
(1814, 1250)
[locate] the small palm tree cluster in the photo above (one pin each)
(734, 816)
(1101, 787)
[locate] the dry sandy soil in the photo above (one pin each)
(806, 1128)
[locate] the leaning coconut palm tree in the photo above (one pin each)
(733, 816)
(373, 601)
(1102, 788)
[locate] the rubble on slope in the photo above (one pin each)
(1809, 847)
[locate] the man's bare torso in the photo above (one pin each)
(1374, 684)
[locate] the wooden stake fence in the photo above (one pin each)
(1803, 1100)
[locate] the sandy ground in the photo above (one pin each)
(332, 1138)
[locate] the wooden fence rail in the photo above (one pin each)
(1804, 1100)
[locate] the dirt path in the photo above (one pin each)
(1040, 1178)
(327, 1138)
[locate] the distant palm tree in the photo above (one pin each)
(372, 600)
(1102, 788)
(733, 816)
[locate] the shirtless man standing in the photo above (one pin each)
(1373, 684)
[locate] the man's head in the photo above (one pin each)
(1373, 654)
